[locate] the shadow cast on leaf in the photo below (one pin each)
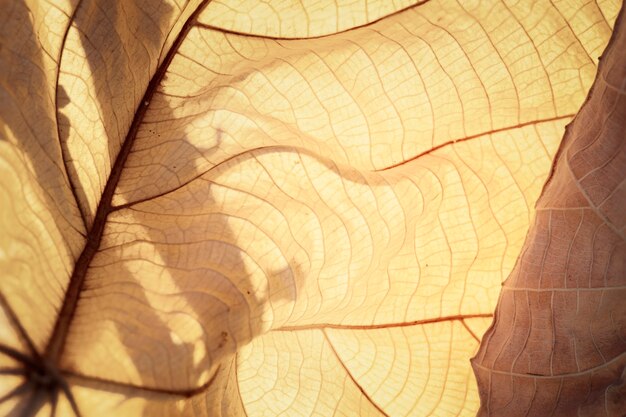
(168, 298)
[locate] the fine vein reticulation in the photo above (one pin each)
(258, 208)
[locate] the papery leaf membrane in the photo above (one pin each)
(558, 341)
(210, 209)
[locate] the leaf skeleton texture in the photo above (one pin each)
(558, 341)
(263, 208)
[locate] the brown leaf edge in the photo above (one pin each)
(557, 344)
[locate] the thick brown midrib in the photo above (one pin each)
(56, 344)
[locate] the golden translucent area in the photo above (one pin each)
(311, 366)
(297, 19)
(273, 226)
(285, 238)
(407, 77)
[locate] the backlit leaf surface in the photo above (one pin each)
(558, 342)
(236, 208)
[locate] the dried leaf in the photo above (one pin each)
(558, 342)
(239, 207)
